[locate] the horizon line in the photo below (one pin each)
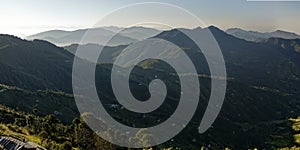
(71, 29)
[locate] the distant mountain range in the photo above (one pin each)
(263, 84)
(99, 36)
(261, 36)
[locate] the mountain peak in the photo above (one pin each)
(214, 28)
(280, 31)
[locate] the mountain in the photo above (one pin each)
(249, 62)
(262, 90)
(260, 36)
(34, 65)
(259, 76)
(99, 36)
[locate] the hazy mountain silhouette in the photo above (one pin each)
(260, 36)
(98, 36)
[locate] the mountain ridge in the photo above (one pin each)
(98, 35)
(257, 36)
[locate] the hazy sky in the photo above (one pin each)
(25, 17)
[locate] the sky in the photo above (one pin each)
(27, 17)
